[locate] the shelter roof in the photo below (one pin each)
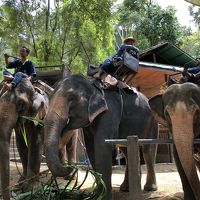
(157, 64)
(166, 53)
(151, 77)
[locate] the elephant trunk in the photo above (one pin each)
(4, 169)
(8, 118)
(54, 125)
(182, 129)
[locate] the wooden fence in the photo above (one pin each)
(133, 143)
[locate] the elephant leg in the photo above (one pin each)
(34, 152)
(197, 155)
(4, 169)
(149, 154)
(197, 162)
(188, 193)
(125, 185)
(100, 155)
(67, 149)
(89, 143)
(103, 162)
(62, 149)
(71, 148)
(68, 146)
(62, 154)
(34, 157)
(23, 152)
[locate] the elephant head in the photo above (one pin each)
(74, 104)
(179, 108)
(20, 101)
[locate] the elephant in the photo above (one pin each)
(179, 109)
(78, 102)
(16, 104)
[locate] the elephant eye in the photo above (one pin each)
(20, 105)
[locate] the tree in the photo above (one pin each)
(195, 13)
(148, 22)
(70, 31)
(191, 44)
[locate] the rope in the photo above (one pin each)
(82, 143)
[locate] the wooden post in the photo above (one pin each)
(134, 168)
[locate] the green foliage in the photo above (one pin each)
(191, 44)
(71, 190)
(147, 21)
(70, 32)
(195, 13)
(77, 32)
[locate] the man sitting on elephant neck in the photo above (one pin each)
(24, 68)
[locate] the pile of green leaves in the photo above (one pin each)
(72, 190)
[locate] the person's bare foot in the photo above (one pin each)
(8, 77)
(9, 86)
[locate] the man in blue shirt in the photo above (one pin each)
(128, 45)
(192, 74)
(24, 68)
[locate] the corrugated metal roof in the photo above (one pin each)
(151, 77)
(166, 53)
(161, 66)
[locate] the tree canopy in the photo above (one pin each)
(148, 22)
(70, 31)
(77, 32)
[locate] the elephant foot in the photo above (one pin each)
(71, 176)
(124, 187)
(20, 183)
(30, 185)
(22, 178)
(150, 187)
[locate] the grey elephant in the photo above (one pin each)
(179, 109)
(80, 103)
(21, 101)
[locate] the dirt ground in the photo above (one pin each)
(167, 178)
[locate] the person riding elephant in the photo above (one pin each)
(102, 114)
(24, 68)
(178, 108)
(15, 105)
(191, 73)
(128, 45)
(121, 66)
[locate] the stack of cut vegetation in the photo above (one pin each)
(52, 190)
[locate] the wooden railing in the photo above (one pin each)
(133, 143)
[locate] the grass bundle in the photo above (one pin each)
(72, 190)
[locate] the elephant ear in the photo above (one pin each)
(40, 106)
(97, 105)
(157, 107)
